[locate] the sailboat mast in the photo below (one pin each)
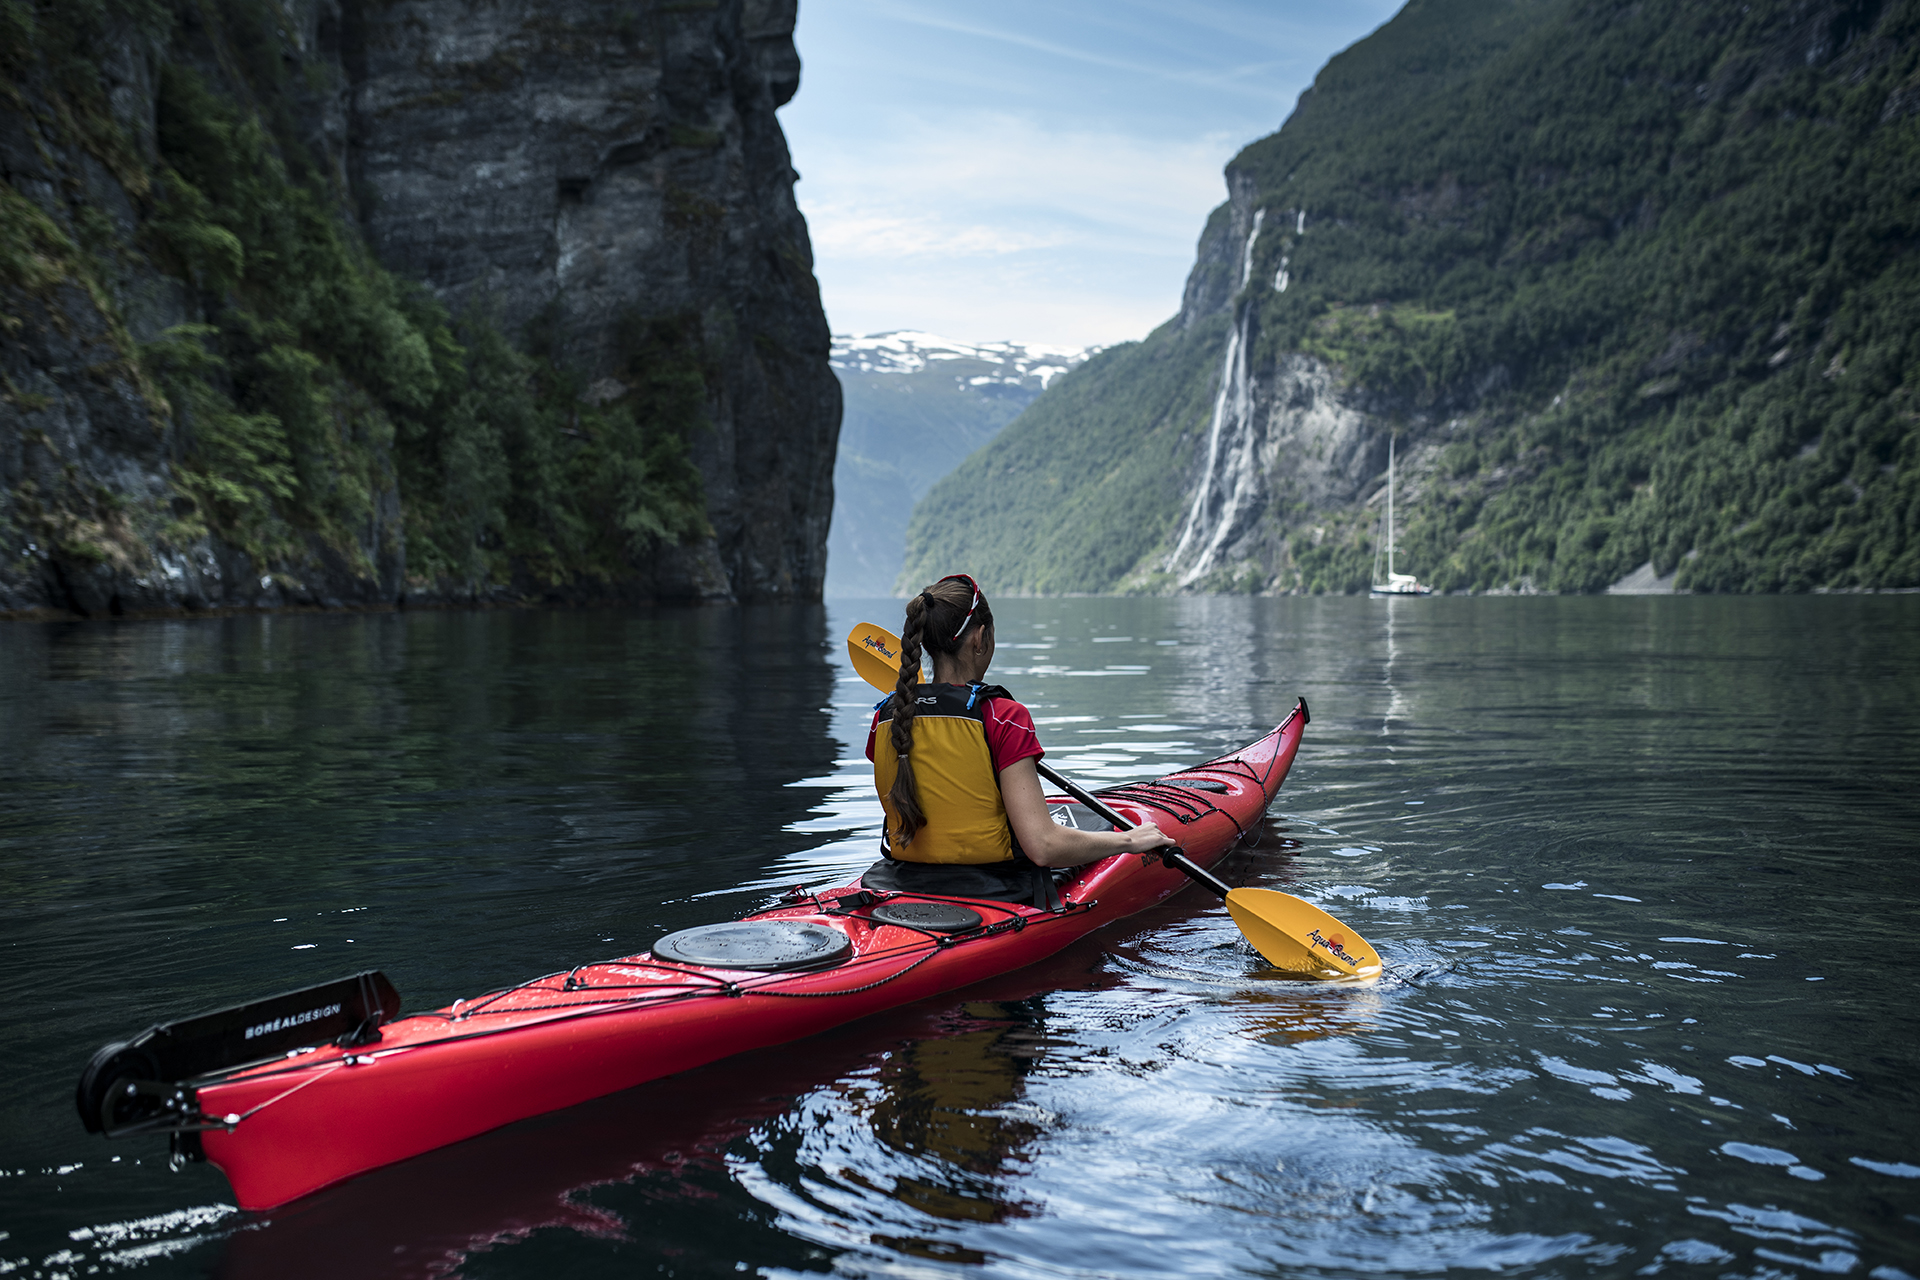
(1389, 508)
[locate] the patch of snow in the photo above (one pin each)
(904, 351)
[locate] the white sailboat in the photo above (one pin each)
(1396, 584)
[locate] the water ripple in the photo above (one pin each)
(1641, 871)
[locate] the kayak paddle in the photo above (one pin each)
(1291, 934)
(876, 655)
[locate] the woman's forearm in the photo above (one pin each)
(1049, 844)
(1067, 847)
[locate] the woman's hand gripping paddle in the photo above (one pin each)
(1293, 935)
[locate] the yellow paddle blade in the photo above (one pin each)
(1299, 937)
(876, 655)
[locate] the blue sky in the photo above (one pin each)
(1034, 172)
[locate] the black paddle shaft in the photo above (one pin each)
(1171, 854)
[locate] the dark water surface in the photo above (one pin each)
(1642, 870)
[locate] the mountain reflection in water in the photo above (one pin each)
(1642, 871)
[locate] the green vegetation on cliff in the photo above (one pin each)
(1631, 282)
(317, 403)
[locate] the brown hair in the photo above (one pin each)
(937, 620)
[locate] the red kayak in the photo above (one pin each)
(386, 1089)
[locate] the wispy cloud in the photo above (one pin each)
(1005, 170)
(1240, 78)
(972, 214)
(851, 231)
(1042, 184)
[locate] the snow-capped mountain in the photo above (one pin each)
(911, 351)
(916, 404)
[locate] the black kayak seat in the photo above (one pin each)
(991, 882)
(764, 946)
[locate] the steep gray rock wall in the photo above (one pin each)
(656, 188)
(1217, 262)
(588, 173)
(85, 447)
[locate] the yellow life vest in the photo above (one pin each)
(954, 777)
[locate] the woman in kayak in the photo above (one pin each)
(955, 769)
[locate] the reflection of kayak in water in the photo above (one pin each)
(311, 1116)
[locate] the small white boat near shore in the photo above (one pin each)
(1394, 584)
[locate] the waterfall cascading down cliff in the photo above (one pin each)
(1228, 492)
(1286, 433)
(1223, 486)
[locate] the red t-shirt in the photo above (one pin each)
(1010, 734)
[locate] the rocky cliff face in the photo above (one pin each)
(603, 183)
(1288, 439)
(1280, 447)
(655, 188)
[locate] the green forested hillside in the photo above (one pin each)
(1630, 282)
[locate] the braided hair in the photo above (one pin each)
(937, 620)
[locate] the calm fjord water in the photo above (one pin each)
(1642, 870)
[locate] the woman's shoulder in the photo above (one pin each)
(1001, 705)
(995, 700)
(1010, 731)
